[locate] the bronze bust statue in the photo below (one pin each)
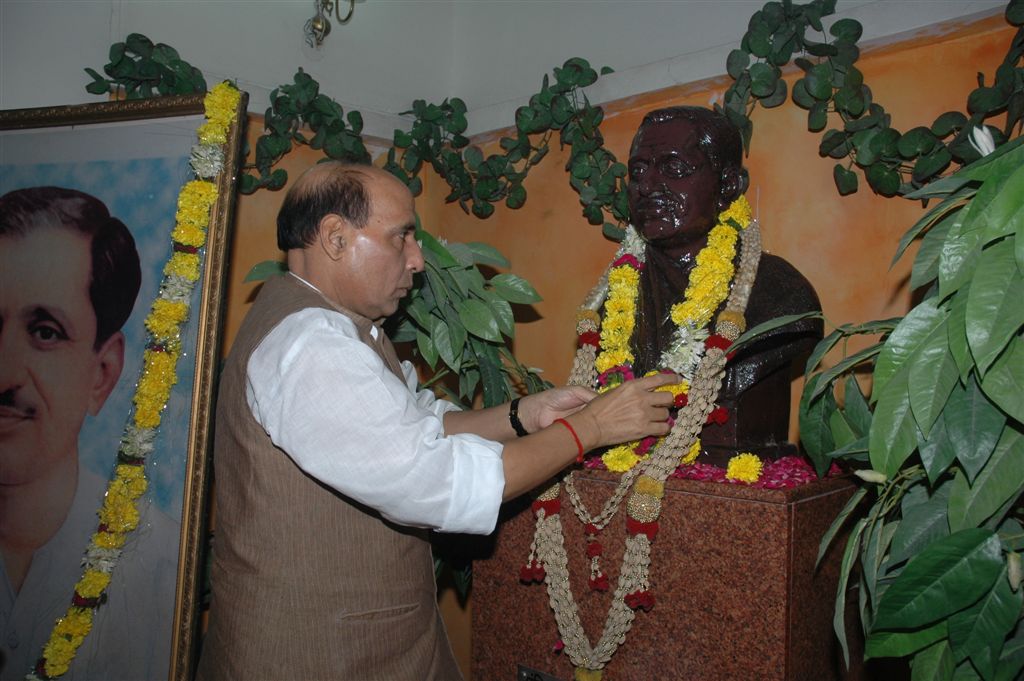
(686, 167)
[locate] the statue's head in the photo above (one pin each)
(685, 167)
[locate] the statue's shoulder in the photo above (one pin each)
(780, 289)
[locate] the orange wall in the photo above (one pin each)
(843, 245)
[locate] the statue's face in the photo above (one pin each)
(673, 189)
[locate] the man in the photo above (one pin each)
(69, 276)
(327, 460)
(686, 167)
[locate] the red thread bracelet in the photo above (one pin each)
(579, 445)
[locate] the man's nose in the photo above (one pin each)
(414, 260)
(12, 364)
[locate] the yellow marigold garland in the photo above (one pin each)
(118, 516)
(184, 265)
(707, 289)
(92, 584)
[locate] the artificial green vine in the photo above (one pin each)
(139, 69)
(894, 163)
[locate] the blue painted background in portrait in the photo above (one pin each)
(142, 193)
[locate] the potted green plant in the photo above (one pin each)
(933, 552)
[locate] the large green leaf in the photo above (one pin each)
(1001, 479)
(478, 319)
(933, 374)
(940, 212)
(840, 521)
(949, 575)
(902, 643)
(956, 326)
(990, 189)
(770, 325)
(922, 524)
(855, 407)
(842, 433)
(839, 616)
(937, 452)
(1004, 215)
(442, 340)
(905, 340)
(1012, 659)
(468, 279)
(427, 348)
(893, 430)
(815, 431)
(489, 362)
(1004, 382)
(978, 632)
(874, 552)
(934, 663)
(514, 289)
(1011, 533)
(995, 303)
(973, 425)
(485, 254)
(1004, 160)
(433, 248)
(843, 366)
(965, 671)
(502, 312)
(878, 326)
(958, 260)
(926, 262)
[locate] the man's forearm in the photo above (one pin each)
(491, 423)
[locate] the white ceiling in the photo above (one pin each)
(491, 53)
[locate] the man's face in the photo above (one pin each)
(377, 261)
(50, 375)
(673, 190)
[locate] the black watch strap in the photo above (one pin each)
(513, 418)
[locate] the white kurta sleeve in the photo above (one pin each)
(329, 402)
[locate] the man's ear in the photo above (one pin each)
(732, 185)
(109, 362)
(333, 230)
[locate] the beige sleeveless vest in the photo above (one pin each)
(308, 584)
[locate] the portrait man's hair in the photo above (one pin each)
(115, 275)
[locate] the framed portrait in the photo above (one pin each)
(79, 354)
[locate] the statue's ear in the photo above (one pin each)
(732, 185)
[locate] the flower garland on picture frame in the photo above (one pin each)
(118, 515)
(699, 357)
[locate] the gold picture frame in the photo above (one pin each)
(134, 157)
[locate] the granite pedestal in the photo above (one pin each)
(733, 571)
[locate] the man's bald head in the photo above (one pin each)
(326, 188)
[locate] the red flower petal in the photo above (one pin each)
(716, 341)
(636, 527)
(551, 506)
(589, 338)
(718, 415)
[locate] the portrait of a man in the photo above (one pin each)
(69, 278)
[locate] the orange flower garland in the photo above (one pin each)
(119, 516)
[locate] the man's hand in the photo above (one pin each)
(628, 412)
(540, 410)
